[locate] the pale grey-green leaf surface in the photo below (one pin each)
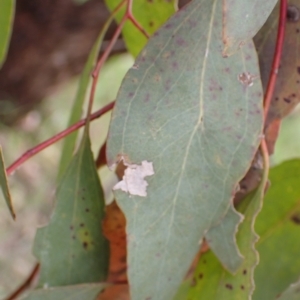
(7, 11)
(72, 248)
(4, 185)
(211, 280)
(197, 117)
(292, 293)
(222, 241)
(242, 20)
(75, 292)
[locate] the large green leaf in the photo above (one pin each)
(279, 227)
(212, 281)
(292, 293)
(286, 94)
(4, 185)
(196, 118)
(150, 14)
(75, 292)
(72, 248)
(7, 10)
(70, 140)
(242, 20)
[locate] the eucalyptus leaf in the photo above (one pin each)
(195, 117)
(242, 20)
(292, 293)
(222, 241)
(286, 94)
(72, 248)
(212, 281)
(4, 185)
(75, 292)
(7, 11)
(70, 140)
(279, 227)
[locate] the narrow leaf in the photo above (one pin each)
(212, 281)
(193, 120)
(292, 293)
(72, 248)
(278, 226)
(7, 12)
(75, 292)
(221, 240)
(4, 186)
(70, 140)
(149, 14)
(242, 20)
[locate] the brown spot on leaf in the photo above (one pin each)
(296, 219)
(81, 225)
(87, 210)
(200, 276)
(151, 23)
(245, 272)
(287, 100)
(229, 286)
(85, 245)
(293, 13)
(242, 287)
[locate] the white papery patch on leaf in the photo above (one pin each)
(133, 180)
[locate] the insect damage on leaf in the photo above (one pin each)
(246, 78)
(133, 180)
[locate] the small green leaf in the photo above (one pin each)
(75, 292)
(150, 14)
(292, 293)
(4, 185)
(7, 11)
(212, 281)
(279, 226)
(222, 241)
(196, 118)
(242, 20)
(70, 140)
(72, 248)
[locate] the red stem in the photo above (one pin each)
(277, 57)
(105, 55)
(35, 150)
(26, 284)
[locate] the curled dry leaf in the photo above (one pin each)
(114, 230)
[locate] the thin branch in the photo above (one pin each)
(25, 285)
(103, 58)
(133, 20)
(277, 57)
(112, 42)
(35, 150)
